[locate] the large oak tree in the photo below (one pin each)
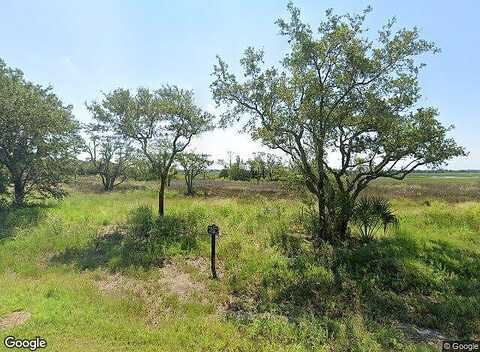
(38, 138)
(161, 123)
(339, 94)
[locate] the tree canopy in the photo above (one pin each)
(110, 155)
(161, 123)
(339, 94)
(193, 164)
(39, 136)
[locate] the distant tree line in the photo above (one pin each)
(261, 166)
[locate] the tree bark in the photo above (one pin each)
(189, 183)
(19, 191)
(161, 197)
(342, 226)
(111, 184)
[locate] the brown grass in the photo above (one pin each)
(449, 192)
(14, 319)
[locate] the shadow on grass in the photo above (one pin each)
(145, 240)
(117, 250)
(101, 252)
(12, 218)
(431, 284)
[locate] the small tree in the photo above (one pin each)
(193, 165)
(38, 139)
(110, 156)
(257, 166)
(274, 166)
(161, 123)
(171, 174)
(339, 92)
(238, 170)
(141, 169)
(223, 173)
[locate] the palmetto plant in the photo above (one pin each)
(372, 213)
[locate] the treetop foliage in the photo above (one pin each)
(338, 92)
(39, 136)
(159, 121)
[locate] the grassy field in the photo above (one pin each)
(65, 274)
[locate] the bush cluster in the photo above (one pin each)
(151, 239)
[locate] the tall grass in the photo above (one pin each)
(277, 294)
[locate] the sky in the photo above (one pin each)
(83, 48)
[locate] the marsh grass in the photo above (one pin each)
(276, 295)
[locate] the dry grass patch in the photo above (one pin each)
(14, 319)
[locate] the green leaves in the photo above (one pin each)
(111, 155)
(193, 164)
(39, 137)
(370, 214)
(161, 122)
(339, 93)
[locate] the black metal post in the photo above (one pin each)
(214, 271)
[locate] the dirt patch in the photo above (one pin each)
(14, 319)
(170, 280)
(429, 336)
(111, 282)
(179, 283)
(119, 284)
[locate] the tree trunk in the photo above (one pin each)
(334, 219)
(322, 231)
(110, 184)
(161, 197)
(19, 191)
(189, 181)
(321, 199)
(104, 182)
(341, 227)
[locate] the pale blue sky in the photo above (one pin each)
(84, 47)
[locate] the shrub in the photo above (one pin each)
(141, 221)
(372, 213)
(297, 283)
(4, 180)
(150, 240)
(288, 243)
(223, 173)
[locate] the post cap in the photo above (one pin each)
(213, 230)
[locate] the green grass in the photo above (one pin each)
(419, 178)
(54, 258)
